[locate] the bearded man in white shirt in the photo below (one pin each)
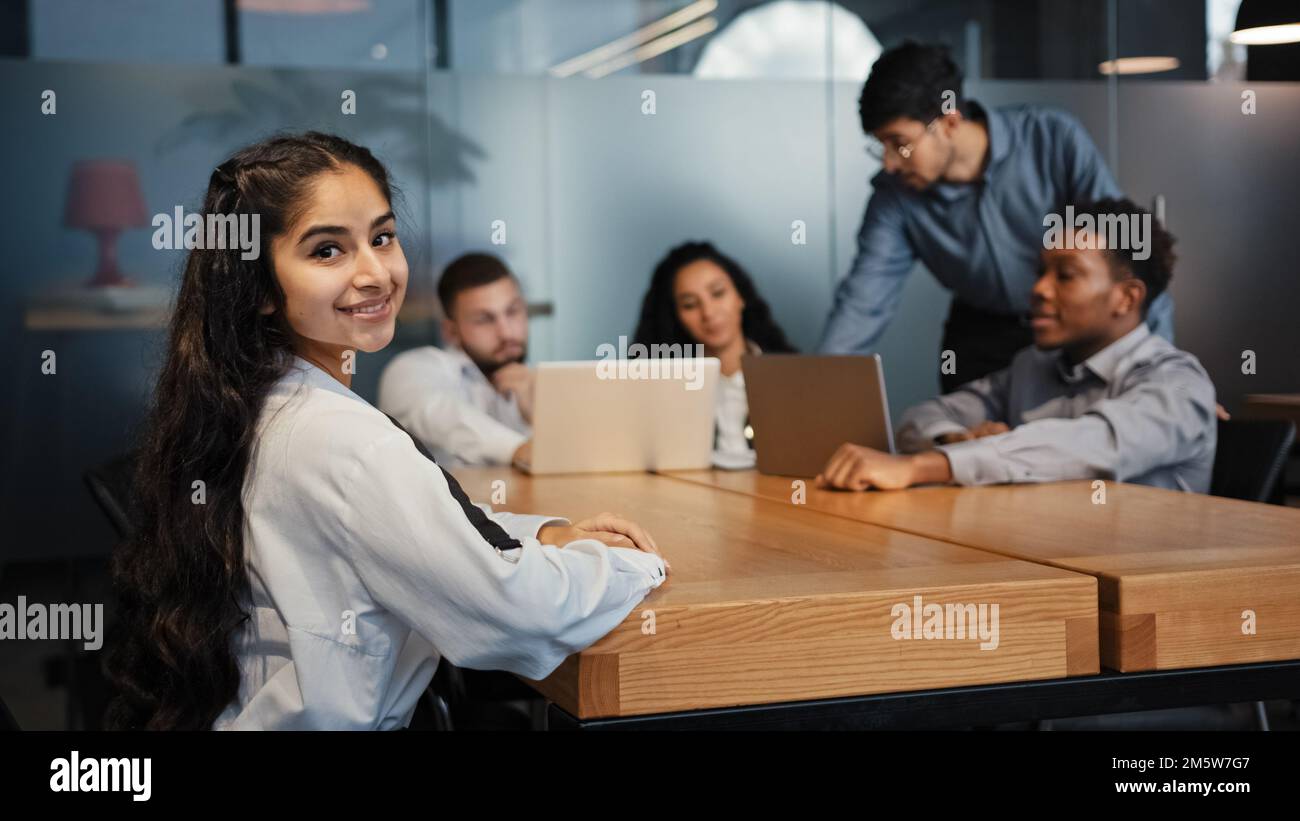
(471, 401)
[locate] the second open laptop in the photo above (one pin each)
(802, 408)
(613, 415)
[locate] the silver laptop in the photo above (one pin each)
(802, 408)
(623, 415)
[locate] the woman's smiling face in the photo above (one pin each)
(342, 270)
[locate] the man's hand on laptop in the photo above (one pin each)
(978, 432)
(608, 528)
(516, 379)
(854, 467)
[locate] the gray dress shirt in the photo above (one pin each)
(1140, 410)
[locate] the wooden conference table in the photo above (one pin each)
(1175, 571)
(783, 595)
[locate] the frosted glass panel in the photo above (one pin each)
(734, 162)
(129, 31)
(488, 165)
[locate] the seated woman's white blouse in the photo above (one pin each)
(364, 571)
(731, 450)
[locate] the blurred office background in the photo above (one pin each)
(530, 117)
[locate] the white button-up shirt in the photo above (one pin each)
(364, 571)
(442, 397)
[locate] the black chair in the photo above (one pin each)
(1248, 464)
(7, 722)
(1250, 458)
(110, 485)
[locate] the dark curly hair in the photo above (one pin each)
(659, 323)
(1158, 268)
(909, 81)
(180, 578)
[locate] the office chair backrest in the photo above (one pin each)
(110, 484)
(7, 722)
(1250, 457)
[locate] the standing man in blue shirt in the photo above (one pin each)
(964, 190)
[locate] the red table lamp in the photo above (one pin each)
(104, 198)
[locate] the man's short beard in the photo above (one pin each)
(489, 367)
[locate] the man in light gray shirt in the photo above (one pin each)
(1096, 396)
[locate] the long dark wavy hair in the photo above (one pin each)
(660, 324)
(181, 580)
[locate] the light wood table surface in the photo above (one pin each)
(766, 603)
(1178, 574)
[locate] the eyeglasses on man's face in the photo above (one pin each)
(877, 149)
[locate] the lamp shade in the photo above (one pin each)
(1267, 22)
(104, 195)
